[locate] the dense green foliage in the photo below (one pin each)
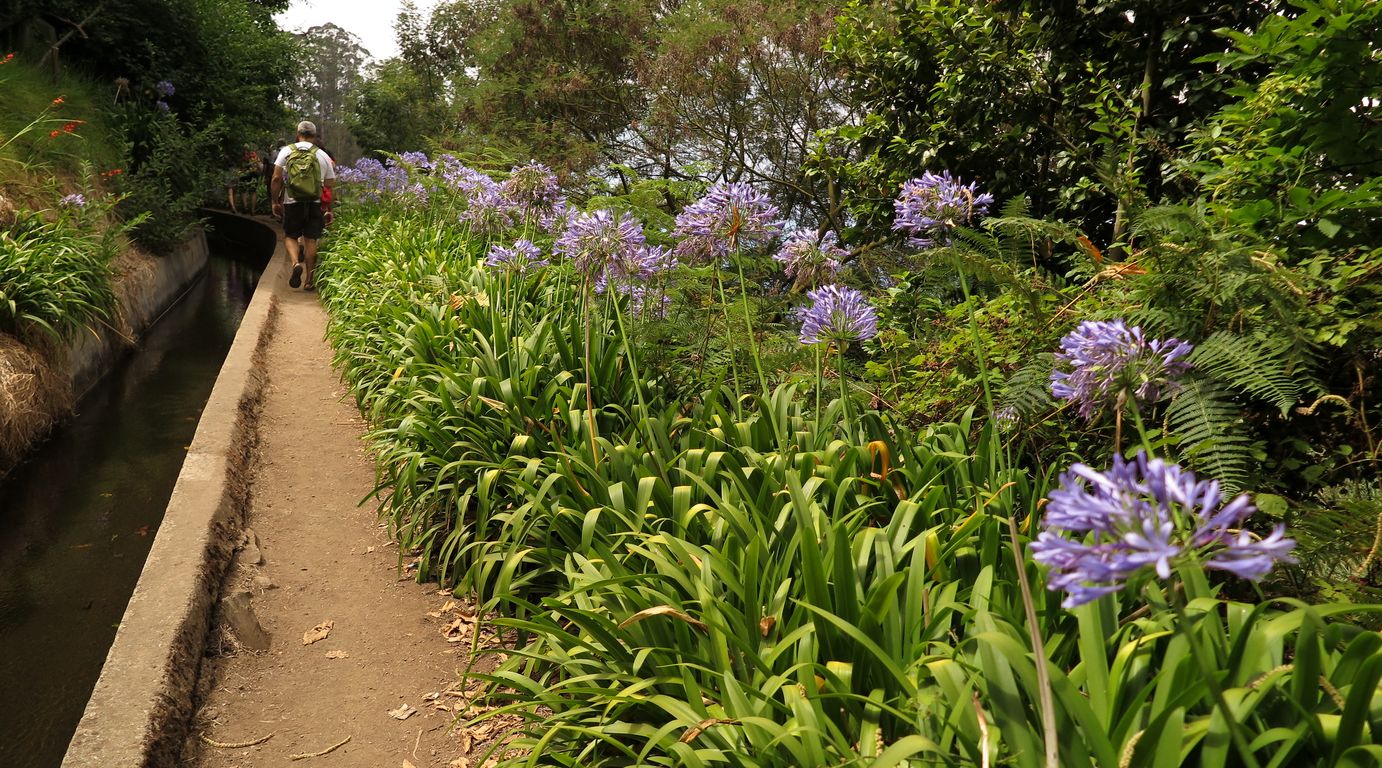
(223, 64)
(56, 253)
(1233, 204)
(702, 577)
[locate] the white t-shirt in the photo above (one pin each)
(328, 168)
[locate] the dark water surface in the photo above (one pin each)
(77, 519)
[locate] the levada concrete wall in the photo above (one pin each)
(139, 711)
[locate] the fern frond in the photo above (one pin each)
(1018, 207)
(1250, 366)
(1179, 221)
(1208, 425)
(1028, 390)
(1156, 321)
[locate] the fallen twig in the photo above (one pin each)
(234, 745)
(326, 751)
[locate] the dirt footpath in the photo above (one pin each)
(325, 558)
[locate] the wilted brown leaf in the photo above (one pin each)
(699, 728)
(663, 610)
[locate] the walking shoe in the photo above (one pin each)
(296, 278)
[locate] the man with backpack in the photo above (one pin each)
(302, 173)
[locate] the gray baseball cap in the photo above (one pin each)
(307, 128)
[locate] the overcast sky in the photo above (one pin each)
(370, 20)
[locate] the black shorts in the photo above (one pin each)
(303, 219)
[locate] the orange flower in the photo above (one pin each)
(57, 101)
(8, 58)
(70, 127)
(112, 172)
(53, 134)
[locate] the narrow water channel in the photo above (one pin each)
(78, 518)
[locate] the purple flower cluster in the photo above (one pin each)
(164, 88)
(458, 177)
(532, 188)
(598, 241)
(487, 210)
(1146, 514)
(634, 268)
(730, 216)
(837, 314)
(74, 200)
(162, 105)
(375, 179)
(416, 160)
(1106, 358)
(930, 207)
(521, 257)
(810, 261)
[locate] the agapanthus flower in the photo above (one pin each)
(74, 200)
(555, 220)
(1106, 358)
(837, 314)
(164, 88)
(378, 180)
(634, 267)
(731, 215)
(631, 275)
(811, 261)
(521, 256)
(418, 192)
(1146, 515)
(930, 207)
(599, 240)
(487, 210)
(416, 160)
(162, 105)
(458, 177)
(532, 188)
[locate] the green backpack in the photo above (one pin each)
(303, 174)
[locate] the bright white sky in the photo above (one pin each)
(370, 20)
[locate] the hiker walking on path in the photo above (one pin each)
(301, 173)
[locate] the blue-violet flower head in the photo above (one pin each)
(1107, 358)
(732, 215)
(810, 261)
(601, 240)
(522, 256)
(837, 314)
(928, 208)
(1145, 514)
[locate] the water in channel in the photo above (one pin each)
(78, 518)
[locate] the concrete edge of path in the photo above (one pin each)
(142, 703)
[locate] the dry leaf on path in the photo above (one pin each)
(402, 713)
(407, 764)
(458, 630)
(460, 762)
(337, 655)
(318, 633)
